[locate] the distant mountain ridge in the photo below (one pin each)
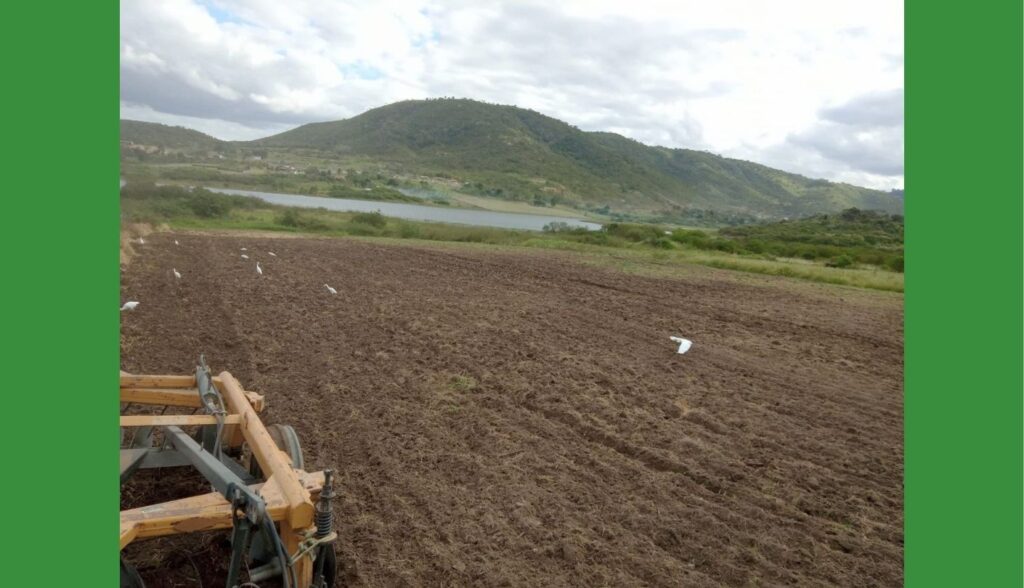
(514, 153)
(147, 133)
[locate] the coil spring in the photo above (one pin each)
(324, 519)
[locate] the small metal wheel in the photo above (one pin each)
(129, 576)
(287, 440)
(328, 568)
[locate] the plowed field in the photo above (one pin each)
(522, 419)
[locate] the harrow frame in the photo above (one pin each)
(284, 499)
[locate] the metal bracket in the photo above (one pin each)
(216, 472)
(213, 403)
(310, 543)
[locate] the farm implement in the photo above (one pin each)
(279, 515)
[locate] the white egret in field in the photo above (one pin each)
(175, 241)
(244, 256)
(259, 270)
(142, 241)
(176, 274)
(331, 290)
(684, 344)
(130, 305)
(244, 249)
(272, 254)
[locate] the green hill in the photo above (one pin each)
(146, 133)
(514, 153)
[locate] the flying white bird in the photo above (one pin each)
(684, 344)
(244, 256)
(176, 274)
(175, 241)
(331, 290)
(259, 270)
(272, 254)
(130, 305)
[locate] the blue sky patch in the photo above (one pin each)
(361, 70)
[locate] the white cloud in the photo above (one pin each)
(791, 84)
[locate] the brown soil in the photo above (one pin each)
(503, 418)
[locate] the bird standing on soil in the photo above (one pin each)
(244, 256)
(331, 290)
(259, 270)
(272, 254)
(175, 241)
(176, 274)
(684, 344)
(130, 305)
(142, 241)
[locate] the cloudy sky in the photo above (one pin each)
(812, 87)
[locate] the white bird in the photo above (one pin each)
(175, 241)
(331, 290)
(244, 249)
(272, 254)
(244, 256)
(259, 270)
(176, 274)
(684, 344)
(130, 305)
(142, 241)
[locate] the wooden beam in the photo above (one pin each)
(162, 396)
(273, 461)
(179, 420)
(179, 397)
(135, 381)
(207, 512)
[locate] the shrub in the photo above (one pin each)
(634, 232)
(695, 238)
(896, 264)
(206, 205)
(724, 245)
(557, 227)
(289, 218)
(408, 231)
(373, 219)
(292, 218)
(840, 261)
(661, 243)
(755, 246)
(597, 238)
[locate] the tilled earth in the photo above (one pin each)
(522, 419)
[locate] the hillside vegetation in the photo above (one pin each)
(841, 240)
(145, 133)
(517, 154)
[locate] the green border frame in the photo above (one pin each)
(963, 295)
(60, 283)
(964, 314)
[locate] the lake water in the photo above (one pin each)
(437, 214)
